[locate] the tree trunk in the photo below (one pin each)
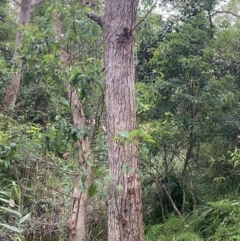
(184, 171)
(12, 90)
(76, 221)
(125, 204)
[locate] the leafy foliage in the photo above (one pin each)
(187, 105)
(173, 230)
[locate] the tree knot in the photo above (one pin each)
(124, 36)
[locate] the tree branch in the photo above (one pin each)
(37, 3)
(52, 188)
(144, 17)
(176, 5)
(95, 17)
(225, 11)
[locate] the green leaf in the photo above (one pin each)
(13, 228)
(82, 187)
(150, 140)
(119, 188)
(11, 211)
(125, 167)
(133, 169)
(24, 218)
(16, 189)
(13, 146)
(83, 178)
(48, 58)
(123, 134)
(92, 189)
(5, 200)
(134, 133)
(74, 79)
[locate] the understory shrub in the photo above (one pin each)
(173, 230)
(219, 220)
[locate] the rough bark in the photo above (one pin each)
(125, 207)
(12, 90)
(76, 221)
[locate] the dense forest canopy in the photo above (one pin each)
(119, 120)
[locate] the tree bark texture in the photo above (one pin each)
(13, 88)
(125, 205)
(77, 219)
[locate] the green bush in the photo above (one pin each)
(173, 230)
(219, 220)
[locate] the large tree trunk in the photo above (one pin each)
(125, 205)
(76, 221)
(12, 90)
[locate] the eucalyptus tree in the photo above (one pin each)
(77, 219)
(125, 207)
(7, 33)
(26, 6)
(125, 204)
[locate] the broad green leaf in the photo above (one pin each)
(134, 133)
(123, 134)
(92, 189)
(150, 140)
(83, 178)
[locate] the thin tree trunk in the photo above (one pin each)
(13, 88)
(184, 171)
(76, 221)
(125, 204)
(171, 200)
(160, 199)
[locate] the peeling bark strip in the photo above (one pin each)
(77, 219)
(12, 90)
(125, 206)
